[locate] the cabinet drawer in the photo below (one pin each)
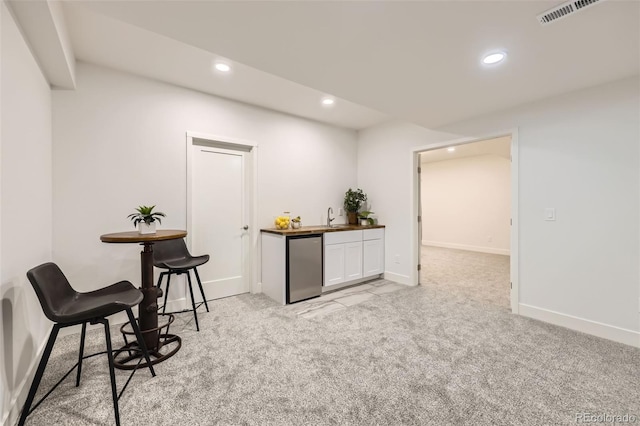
(342, 237)
(373, 234)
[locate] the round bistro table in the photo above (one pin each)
(148, 308)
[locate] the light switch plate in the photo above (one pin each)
(549, 213)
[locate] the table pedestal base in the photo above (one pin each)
(130, 357)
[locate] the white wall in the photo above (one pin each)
(120, 141)
(466, 203)
(578, 153)
(385, 171)
(26, 209)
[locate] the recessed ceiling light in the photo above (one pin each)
(494, 58)
(222, 67)
(328, 101)
(451, 149)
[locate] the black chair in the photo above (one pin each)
(174, 256)
(66, 307)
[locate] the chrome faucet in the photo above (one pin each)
(329, 219)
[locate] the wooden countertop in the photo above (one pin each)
(136, 237)
(318, 229)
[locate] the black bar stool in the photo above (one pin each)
(174, 256)
(66, 307)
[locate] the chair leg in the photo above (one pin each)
(160, 279)
(193, 302)
(39, 373)
(143, 346)
(81, 352)
(159, 285)
(168, 274)
(112, 373)
(201, 290)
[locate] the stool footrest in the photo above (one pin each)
(164, 339)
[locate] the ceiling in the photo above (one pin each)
(415, 61)
(101, 40)
(497, 146)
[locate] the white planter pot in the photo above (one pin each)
(364, 222)
(143, 228)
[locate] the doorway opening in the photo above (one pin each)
(465, 199)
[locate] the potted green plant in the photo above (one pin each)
(365, 220)
(296, 222)
(145, 219)
(353, 200)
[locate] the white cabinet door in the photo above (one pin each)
(373, 262)
(353, 261)
(334, 256)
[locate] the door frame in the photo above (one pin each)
(415, 207)
(250, 149)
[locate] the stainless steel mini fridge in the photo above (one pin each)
(304, 267)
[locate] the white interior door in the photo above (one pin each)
(218, 219)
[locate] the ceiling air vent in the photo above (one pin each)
(564, 10)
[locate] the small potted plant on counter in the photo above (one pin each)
(145, 219)
(353, 200)
(296, 222)
(365, 220)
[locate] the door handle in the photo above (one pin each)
(245, 227)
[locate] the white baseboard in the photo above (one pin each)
(177, 305)
(617, 334)
(398, 278)
(20, 396)
(480, 249)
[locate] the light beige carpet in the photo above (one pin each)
(445, 353)
(467, 276)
